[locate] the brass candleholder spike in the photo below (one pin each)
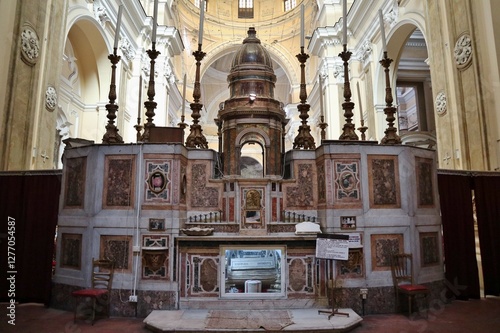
(182, 124)
(111, 135)
(150, 104)
(304, 139)
(323, 126)
(196, 139)
(348, 132)
(363, 129)
(391, 137)
(138, 128)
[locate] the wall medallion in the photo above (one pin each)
(30, 46)
(50, 98)
(463, 51)
(157, 182)
(441, 103)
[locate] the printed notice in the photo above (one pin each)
(334, 246)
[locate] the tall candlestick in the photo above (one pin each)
(382, 30)
(302, 32)
(321, 95)
(359, 102)
(140, 97)
(155, 20)
(344, 21)
(202, 18)
(184, 95)
(118, 24)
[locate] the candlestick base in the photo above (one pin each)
(363, 129)
(138, 136)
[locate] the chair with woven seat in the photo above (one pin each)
(402, 276)
(102, 278)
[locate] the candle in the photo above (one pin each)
(302, 26)
(344, 21)
(382, 30)
(118, 24)
(321, 95)
(140, 95)
(155, 20)
(359, 102)
(184, 95)
(202, 17)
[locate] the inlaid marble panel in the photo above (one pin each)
(204, 275)
(71, 250)
(155, 263)
(321, 183)
(158, 181)
(183, 187)
(383, 177)
(353, 267)
(346, 184)
(429, 248)
(231, 209)
(382, 248)
(74, 191)
(425, 186)
(201, 194)
(253, 209)
(274, 214)
(301, 196)
(119, 180)
(119, 250)
(300, 274)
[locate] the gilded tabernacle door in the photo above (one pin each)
(253, 210)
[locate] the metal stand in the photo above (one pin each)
(334, 311)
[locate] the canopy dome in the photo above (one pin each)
(252, 55)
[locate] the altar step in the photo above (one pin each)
(301, 320)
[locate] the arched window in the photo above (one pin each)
(245, 9)
(252, 160)
(289, 4)
(197, 4)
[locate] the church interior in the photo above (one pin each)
(251, 154)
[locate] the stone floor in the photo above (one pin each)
(472, 316)
(304, 320)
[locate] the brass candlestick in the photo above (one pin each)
(391, 137)
(363, 129)
(348, 132)
(323, 127)
(304, 139)
(111, 135)
(150, 104)
(196, 139)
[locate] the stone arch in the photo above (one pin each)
(249, 165)
(397, 38)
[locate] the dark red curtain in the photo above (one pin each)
(455, 196)
(29, 203)
(487, 194)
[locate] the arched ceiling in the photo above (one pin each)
(224, 32)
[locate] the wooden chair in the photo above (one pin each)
(402, 276)
(102, 278)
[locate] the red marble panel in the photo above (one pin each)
(224, 214)
(231, 209)
(274, 209)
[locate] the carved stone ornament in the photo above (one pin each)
(30, 46)
(127, 49)
(51, 98)
(440, 103)
(463, 51)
